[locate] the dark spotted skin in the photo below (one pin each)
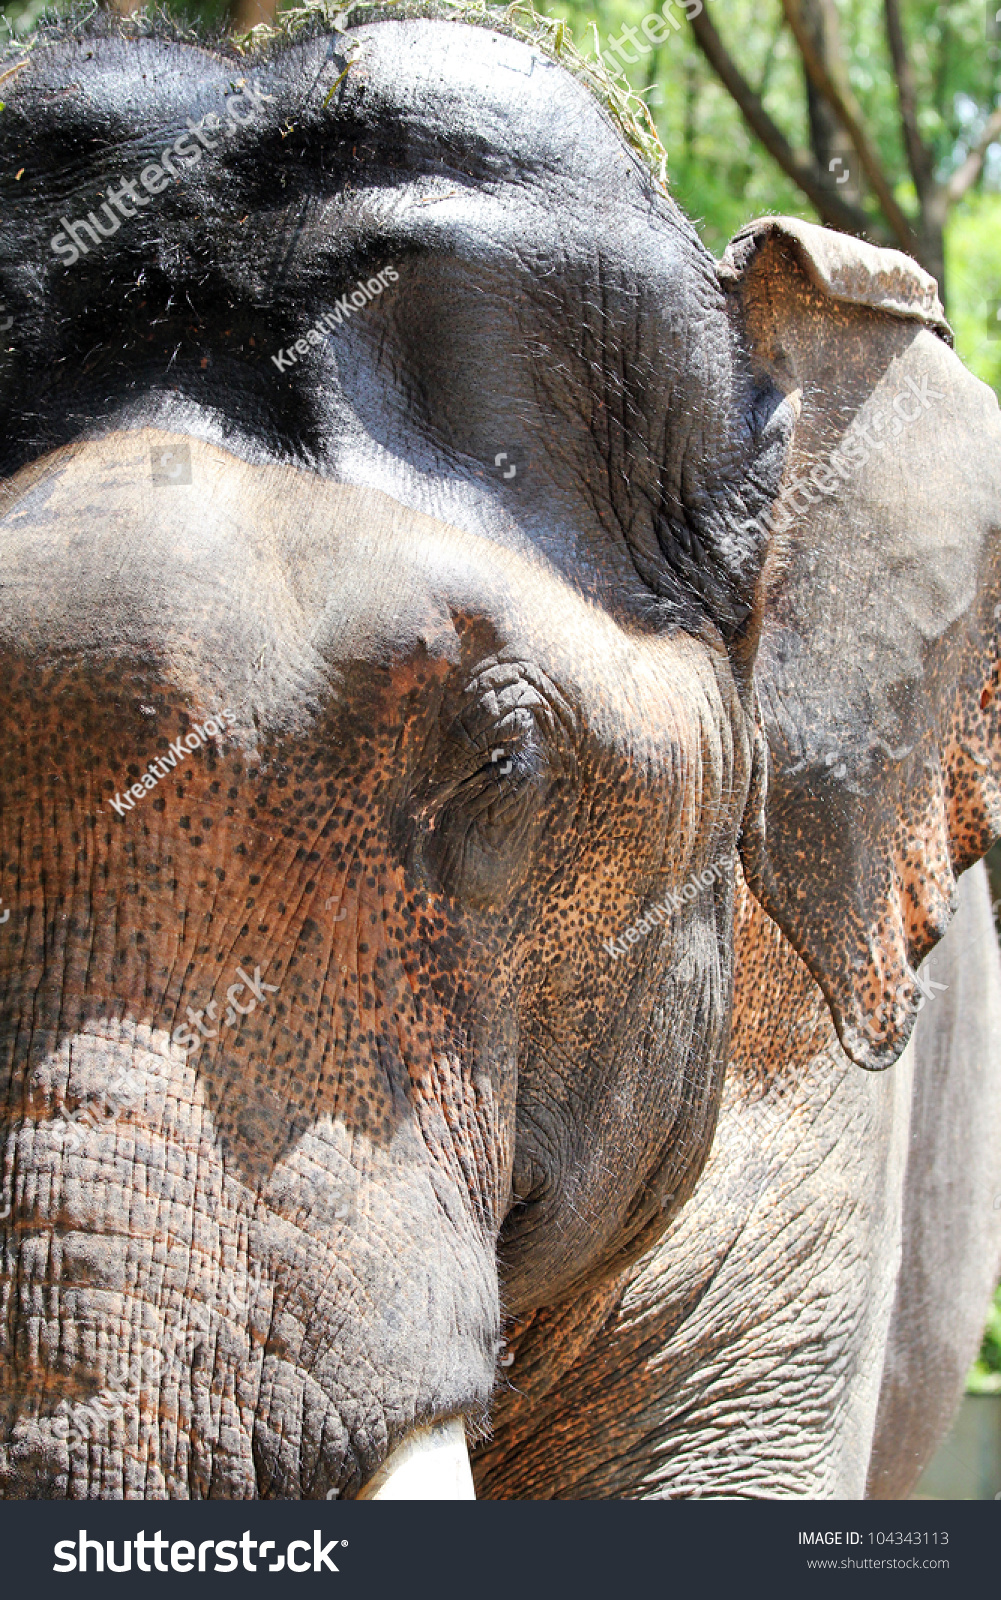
(707, 1372)
(479, 724)
(432, 918)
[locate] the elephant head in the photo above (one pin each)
(393, 677)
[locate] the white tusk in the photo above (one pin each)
(431, 1464)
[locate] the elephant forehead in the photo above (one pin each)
(419, 91)
(446, 83)
(271, 588)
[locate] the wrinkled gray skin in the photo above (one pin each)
(806, 1328)
(476, 725)
(951, 1234)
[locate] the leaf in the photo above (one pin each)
(334, 85)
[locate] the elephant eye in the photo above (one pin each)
(510, 766)
(515, 759)
(483, 802)
(502, 778)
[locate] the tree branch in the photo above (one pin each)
(845, 108)
(966, 176)
(799, 165)
(918, 155)
(769, 60)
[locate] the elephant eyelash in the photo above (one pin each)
(495, 767)
(484, 790)
(509, 768)
(494, 793)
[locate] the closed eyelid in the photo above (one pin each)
(488, 723)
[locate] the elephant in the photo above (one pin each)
(499, 734)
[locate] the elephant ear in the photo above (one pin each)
(877, 653)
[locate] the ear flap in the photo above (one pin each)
(877, 663)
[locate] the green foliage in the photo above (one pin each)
(717, 171)
(720, 173)
(722, 177)
(985, 1375)
(22, 16)
(974, 266)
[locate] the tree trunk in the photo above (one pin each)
(829, 140)
(931, 239)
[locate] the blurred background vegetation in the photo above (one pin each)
(880, 117)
